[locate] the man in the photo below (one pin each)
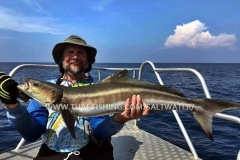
(74, 58)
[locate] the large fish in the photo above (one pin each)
(108, 97)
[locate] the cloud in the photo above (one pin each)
(33, 4)
(12, 20)
(35, 7)
(99, 5)
(192, 35)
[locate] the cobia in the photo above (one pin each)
(109, 96)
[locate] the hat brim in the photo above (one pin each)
(58, 49)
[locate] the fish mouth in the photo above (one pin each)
(25, 86)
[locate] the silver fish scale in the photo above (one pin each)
(132, 143)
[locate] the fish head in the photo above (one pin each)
(43, 92)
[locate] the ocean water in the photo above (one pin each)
(223, 81)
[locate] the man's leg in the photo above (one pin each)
(45, 153)
(91, 151)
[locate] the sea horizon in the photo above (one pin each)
(137, 62)
(222, 80)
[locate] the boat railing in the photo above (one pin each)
(156, 71)
(205, 90)
(199, 76)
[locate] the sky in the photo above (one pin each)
(123, 31)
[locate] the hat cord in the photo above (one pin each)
(74, 152)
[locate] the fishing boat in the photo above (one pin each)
(131, 142)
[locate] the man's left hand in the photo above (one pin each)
(134, 109)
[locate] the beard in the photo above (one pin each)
(75, 70)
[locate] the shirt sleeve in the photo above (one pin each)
(30, 122)
(105, 126)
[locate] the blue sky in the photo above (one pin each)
(130, 31)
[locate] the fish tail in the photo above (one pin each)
(209, 107)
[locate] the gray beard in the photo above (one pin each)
(74, 71)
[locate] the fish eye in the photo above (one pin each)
(36, 84)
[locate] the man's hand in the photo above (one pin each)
(8, 90)
(133, 109)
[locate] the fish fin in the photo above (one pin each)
(124, 77)
(204, 120)
(209, 108)
(76, 120)
(69, 120)
(117, 76)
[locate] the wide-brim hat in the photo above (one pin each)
(73, 39)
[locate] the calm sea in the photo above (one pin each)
(223, 81)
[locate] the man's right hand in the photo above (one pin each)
(8, 90)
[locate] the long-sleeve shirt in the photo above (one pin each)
(31, 122)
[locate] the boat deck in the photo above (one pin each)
(130, 143)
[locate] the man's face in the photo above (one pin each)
(74, 59)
